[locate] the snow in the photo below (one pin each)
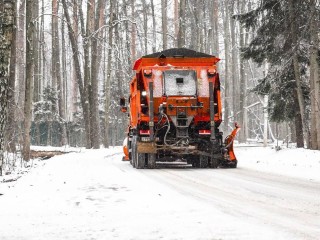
(298, 163)
(92, 194)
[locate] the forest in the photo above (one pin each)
(64, 64)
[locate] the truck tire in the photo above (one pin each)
(214, 161)
(140, 160)
(203, 161)
(134, 151)
(151, 160)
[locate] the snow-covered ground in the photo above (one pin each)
(92, 194)
(298, 163)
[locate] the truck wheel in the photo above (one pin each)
(134, 151)
(140, 160)
(151, 160)
(203, 161)
(214, 162)
(195, 160)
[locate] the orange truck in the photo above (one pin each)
(175, 111)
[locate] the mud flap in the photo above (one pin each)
(146, 147)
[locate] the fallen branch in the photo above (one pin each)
(45, 154)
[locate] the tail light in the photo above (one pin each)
(145, 132)
(204, 132)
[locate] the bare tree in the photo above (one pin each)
(243, 83)
(76, 61)
(133, 32)
(108, 73)
(215, 27)
(7, 10)
(56, 68)
(94, 93)
(11, 122)
(176, 21)
(226, 28)
(29, 78)
(182, 26)
(314, 79)
(164, 6)
(154, 29)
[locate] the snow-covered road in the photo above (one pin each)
(94, 195)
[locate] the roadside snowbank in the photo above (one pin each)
(295, 162)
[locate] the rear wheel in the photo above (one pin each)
(140, 160)
(151, 160)
(203, 160)
(214, 162)
(133, 151)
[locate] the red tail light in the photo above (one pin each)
(144, 132)
(205, 132)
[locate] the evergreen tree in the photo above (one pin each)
(275, 44)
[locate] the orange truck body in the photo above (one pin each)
(175, 111)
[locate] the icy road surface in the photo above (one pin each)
(94, 195)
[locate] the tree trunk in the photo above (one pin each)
(108, 78)
(95, 122)
(64, 84)
(133, 31)
(243, 86)
(11, 122)
(145, 26)
(314, 78)
(194, 25)
(56, 70)
(296, 68)
(216, 27)
(75, 56)
(85, 32)
(164, 6)
(182, 25)
(176, 21)
(265, 121)
(36, 47)
(29, 79)
(74, 91)
(225, 16)
(127, 38)
(234, 63)
(21, 62)
(6, 35)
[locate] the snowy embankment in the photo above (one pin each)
(297, 163)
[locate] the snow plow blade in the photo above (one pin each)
(231, 160)
(125, 150)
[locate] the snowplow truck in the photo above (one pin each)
(175, 112)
